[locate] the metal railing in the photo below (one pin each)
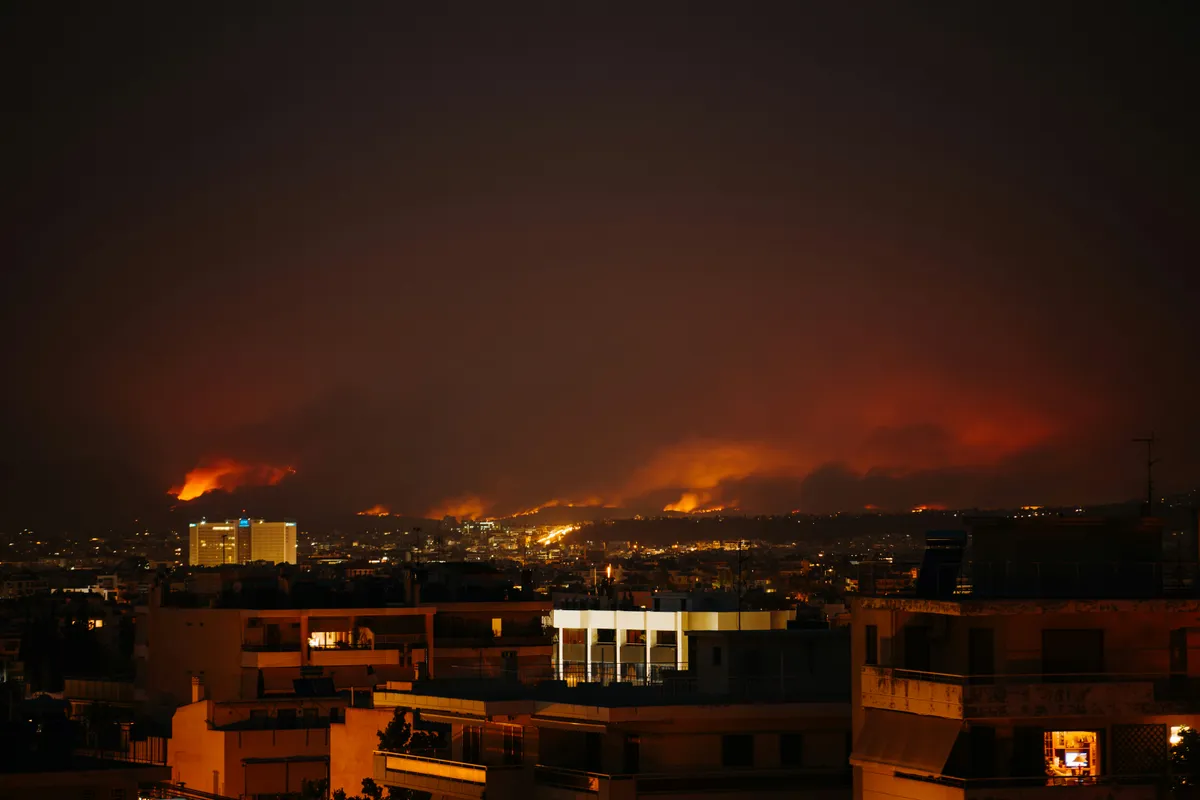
(280, 647)
(739, 780)
(443, 768)
(1010, 782)
(1167, 686)
(634, 673)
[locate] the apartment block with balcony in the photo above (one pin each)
(243, 654)
(509, 639)
(602, 642)
(717, 733)
(253, 748)
(1034, 659)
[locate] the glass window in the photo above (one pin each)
(872, 632)
(1071, 755)
(497, 627)
(666, 638)
(514, 744)
(635, 637)
(472, 741)
(737, 750)
(791, 749)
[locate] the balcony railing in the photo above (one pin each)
(1101, 787)
(1168, 685)
(278, 647)
(744, 782)
(635, 673)
(447, 777)
(1032, 694)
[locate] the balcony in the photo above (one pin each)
(1101, 788)
(257, 656)
(557, 783)
(352, 656)
(449, 778)
(1023, 696)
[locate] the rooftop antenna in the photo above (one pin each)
(1150, 462)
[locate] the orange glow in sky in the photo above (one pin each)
(375, 511)
(470, 507)
(227, 474)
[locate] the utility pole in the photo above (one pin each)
(1150, 462)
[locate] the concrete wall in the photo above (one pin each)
(352, 745)
(194, 752)
(183, 642)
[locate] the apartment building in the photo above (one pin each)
(510, 639)
(245, 654)
(720, 732)
(1061, 656)
(598, 640)
(254, 748)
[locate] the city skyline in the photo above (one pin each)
(771, 258)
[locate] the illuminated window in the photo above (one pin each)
(497, 627)
(1072, 755)
(574, 636)
(1177, 732)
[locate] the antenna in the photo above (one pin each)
(1150, 462)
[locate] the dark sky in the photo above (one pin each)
(777, 255)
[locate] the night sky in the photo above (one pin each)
(477, 258)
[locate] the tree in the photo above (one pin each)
(315, 790)
(400, 737)
(1185, 762)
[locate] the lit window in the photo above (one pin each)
(1072, 754)
(1177, 732)
(497, 627)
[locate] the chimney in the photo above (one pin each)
(197, 688)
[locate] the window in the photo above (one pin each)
(657, 604)
(737, 750)
(1071, 755)
(593, 748)
(716, 661)
(472, 743)
(514, 744)
(633, 753)
(917, 651)
(872, 632)
(574, 636)
(606, 636)
(635, 637)
(665, 638)
(497, 627)
(1073, 652)
(287, 716)
(791, 749)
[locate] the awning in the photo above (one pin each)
(329, 625)
(911, 741)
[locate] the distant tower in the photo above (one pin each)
(1150, 462)
(239, 541)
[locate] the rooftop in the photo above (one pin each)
(672, 692)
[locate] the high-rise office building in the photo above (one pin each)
(272, 541)
(240, 541)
